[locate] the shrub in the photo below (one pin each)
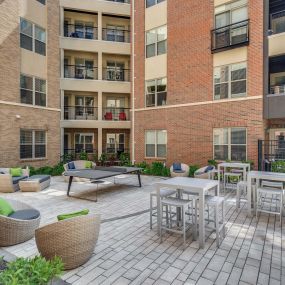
(36, 270)
(48, 170)
(278, 166)
(125, 159)
(103, 157)
(192, 169)
(213, 162)
(83, 155)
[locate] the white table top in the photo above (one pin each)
(267, 175)
(188, 182)
(234, 164)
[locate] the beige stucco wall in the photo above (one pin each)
(72, 17)
(72, 55)
(98, 6)
(276, 44)
(156, 16)
(34, 12)
(230, 56)
(156, 67)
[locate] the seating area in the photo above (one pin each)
(177, 230)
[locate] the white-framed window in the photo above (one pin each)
(230, 81)
(230, 144)
(156, 143)
(155, 92)
(83, 142)
(156, 41)
(149, 3)
(32, 144)
(32, 37)
(32, 90)
(115, 143)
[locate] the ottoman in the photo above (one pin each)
(34, 183)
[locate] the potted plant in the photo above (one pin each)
(37, 270)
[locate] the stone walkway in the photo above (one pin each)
(128, 252)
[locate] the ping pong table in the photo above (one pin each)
(100, 172)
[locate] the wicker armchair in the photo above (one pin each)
(15, 231)
(79, 164)
(185, 172)
(203, 173)
(72, 239)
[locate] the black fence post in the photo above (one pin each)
(260, 155)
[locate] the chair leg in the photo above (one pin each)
(167, 217)
(281, 208)
(223, 219)
(195, 220)
(238, 197)
(217, 225)
(184, 226)
(150, 212)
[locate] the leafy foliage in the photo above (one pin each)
(212, 162)
(83, 155)
(193, 169)
(125, 159)
(48, 170)
(156, 169)
(32, 271)
(278, 166)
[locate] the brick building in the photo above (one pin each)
(166, 80)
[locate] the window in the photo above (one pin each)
(115, 143)
(230, 143)
(156, 41)
(33, 90)
(156, 92)
(32, 37)
(32, 144)
(84, 142)
(149, 3)
(230, 81)
(42, 1)
(155, 143)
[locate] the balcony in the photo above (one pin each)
(116, 74)
(277, 23)
(116, 35)
(116, 114)
(80, 113)
(80, 72)
(231, 36)
(80, 32)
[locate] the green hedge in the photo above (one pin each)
(56, 170)
(278, 166)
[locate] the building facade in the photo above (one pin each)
(209, 96)
(165, 81)
(29, 83)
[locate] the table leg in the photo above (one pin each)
(159, 210)
(139, 178)
(219, 178)
(69, 184)
(249, 195)
(201, 221)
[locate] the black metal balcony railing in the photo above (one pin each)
(120, 1)
(116, 114)
(277, 22)
(277, 89)
(116, 74)
(115, 35)
(115, 149)
(80, 113)
(230, 36)
(80, 72)
(81, 31)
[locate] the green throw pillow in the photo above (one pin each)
(16, 172)
(5, 208)
(72, 215)
(88, 164)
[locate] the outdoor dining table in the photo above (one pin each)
(259, 175)
(244, 166)
(195, 185)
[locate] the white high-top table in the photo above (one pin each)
(195, 185)
(259, 175)
(244, 166)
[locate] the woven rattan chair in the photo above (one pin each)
(13, 231)
(72, 239)
(185, 173)
(79, 164)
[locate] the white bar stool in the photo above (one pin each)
(219, 221)
(183, 206)
(163, 194)
(227, 176)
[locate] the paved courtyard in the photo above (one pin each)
(128, 252)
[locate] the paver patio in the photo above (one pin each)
(128, 252)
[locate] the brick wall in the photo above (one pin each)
(190, 80)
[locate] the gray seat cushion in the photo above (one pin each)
(40, 178)
(28, 214)
(16, 179)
